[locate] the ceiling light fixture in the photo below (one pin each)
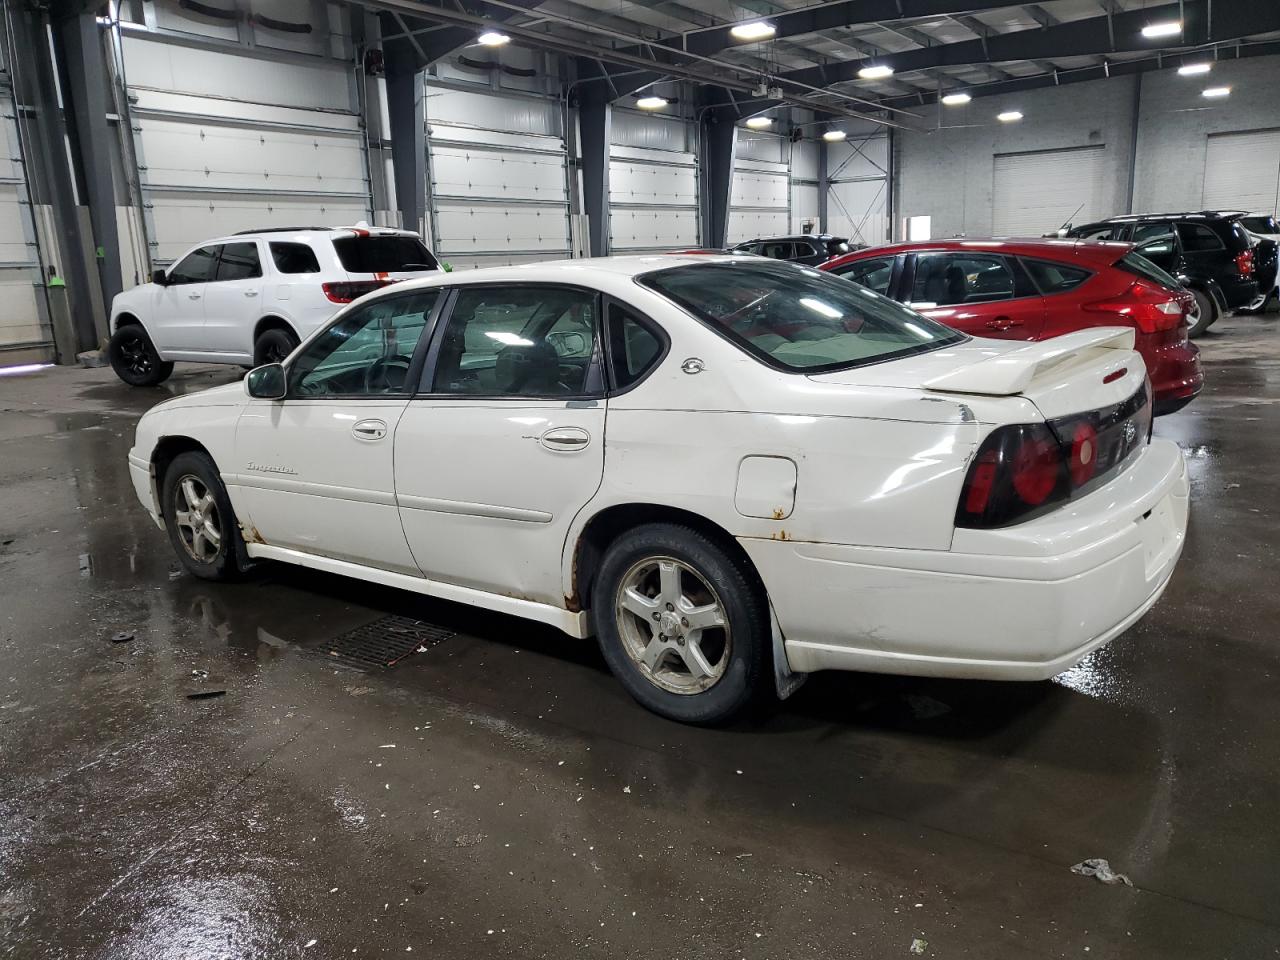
(1217, 92)
(876, 72)
(759, 123)
(1170, 28)
(492, 38)
(955, 99)
(834, 136)
(651, 102)
(1009, 116)
(1194, 69)
(753, 30)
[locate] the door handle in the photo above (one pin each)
(1003, 323)
(251, 293)
(369, 430)
(193, 296)
(565, 439)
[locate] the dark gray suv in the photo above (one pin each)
(807, 248)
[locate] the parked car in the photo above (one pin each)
(250, 298)
(1036, 289)
(1264, 226)
(1209, 252)
(811, 249)
(729, 471)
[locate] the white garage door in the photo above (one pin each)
(761, 202)
(498, 181)
(858, 191)
(24, 335)
(1037, 192)
(1242, 171)
(653, 183)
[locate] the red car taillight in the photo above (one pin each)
(1149, 307)
(1244, 262)
(348, 290)
(1024, 469)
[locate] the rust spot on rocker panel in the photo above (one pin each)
(251, 534)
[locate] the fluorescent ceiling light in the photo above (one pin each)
(876, 72)
(1170, 28)
(1194, 69)
(955, 99)
(759, 123)
(833, 135)
(753, 30)
(651, 102)
(492, 38)
(1009, 116)
(1217, 92)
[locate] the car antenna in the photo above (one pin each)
(1066, 224)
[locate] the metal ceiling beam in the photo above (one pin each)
(1122, 31)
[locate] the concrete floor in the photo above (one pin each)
(501, 796)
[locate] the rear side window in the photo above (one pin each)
(294, 258)
(1055, 277)
(633, 347)
(1140, 266)
(383, 254)
(1197, 238)
(239, 261)
(777, 251)
(837, 247)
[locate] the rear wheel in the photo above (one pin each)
(134, 358)
(199, 519)
(1206, 312)
(681, 624)
(273, 345)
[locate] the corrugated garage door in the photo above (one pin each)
(1242, 171)
(804, 185)
(653, 183)
(498, 179)
(761, 198)
(228, 143)
(858, 191)
(1037, 192)
(24, 333)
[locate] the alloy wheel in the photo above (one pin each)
(199, 524)
(673, 625)
(135, 355)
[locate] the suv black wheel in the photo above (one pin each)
(198, 516)
(273, 345)
(134, 358)
(682, 624)
(1206, 314)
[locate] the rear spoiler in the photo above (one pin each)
(1013, 372)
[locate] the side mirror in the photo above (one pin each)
(266, 382)
(160, 278)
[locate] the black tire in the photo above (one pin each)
(743, 652)
(273, 345)
(227, 560)
(134, 358)
(1206, 316)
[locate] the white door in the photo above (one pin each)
(177, 321)
(1035, 193)
(314, 471)
(1242, 171)
(232, 300)
(507, 446)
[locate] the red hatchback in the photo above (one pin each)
(1036, 289)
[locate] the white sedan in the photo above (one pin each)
(731, 472)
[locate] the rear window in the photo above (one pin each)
(1139, 265)
(836, 246)
(1055, 277)
(798, 319)
(1261, 224)
(383, 254)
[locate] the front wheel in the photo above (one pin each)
(134, 357)
(682, 624)
(201, 525)
(1206, 312)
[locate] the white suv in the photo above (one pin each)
(249, 299)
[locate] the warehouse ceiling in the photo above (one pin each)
(817, 50)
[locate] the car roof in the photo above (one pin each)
(794, 236)
(1185, 215)
(1098, 252)
(355, 231)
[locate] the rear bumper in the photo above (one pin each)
(1175, 371)
(1239, 292)
(1021, 603)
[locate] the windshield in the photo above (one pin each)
(383, 254)
(1137, 264)
(797, 318)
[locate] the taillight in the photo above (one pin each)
(1244, 262)
(1024, 469)
(347, 290)
(1149, 307)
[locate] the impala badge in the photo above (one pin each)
(263, 468)
(693, 365)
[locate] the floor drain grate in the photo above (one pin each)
(383, 643)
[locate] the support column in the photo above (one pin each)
(824, 186)
(408, 142)
(718, 134)
(86, 86)
(594, 118)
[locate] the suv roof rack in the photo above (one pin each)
(242, 233)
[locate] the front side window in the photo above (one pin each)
(799, 320)
(1097, 233)
(1146, 232)
(1055, 277)
(367, 353)
(239, 261)
(777, 251)
(294, 257)
(1197, 238)
(196, 267)
(947, 279)
(872, 274)
(518, 341)
(388, 254)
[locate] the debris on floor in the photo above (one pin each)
(124, 636)
(1100, 870)
(919, 945)
(206, 694)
